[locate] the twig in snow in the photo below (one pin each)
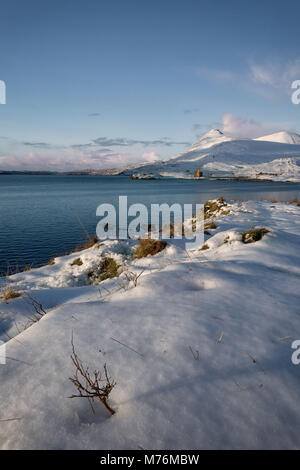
(38, 308)
(220, 337)
(283, 338)
(128, 347)
(18, 360)
(242, 389)
(245, 389)
(256, 362)
(17, 328)
(10, 419)
(13, 338)
(195, 356)
(132, 277)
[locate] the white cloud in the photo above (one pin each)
(240, 127)
(45, 156)
(150, 157)
(71, 159)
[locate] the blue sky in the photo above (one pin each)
(101, 84)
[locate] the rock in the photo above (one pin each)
(198, 173)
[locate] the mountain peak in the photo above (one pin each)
(212, 133)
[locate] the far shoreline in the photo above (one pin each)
(109, 173)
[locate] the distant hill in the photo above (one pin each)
(275, 157)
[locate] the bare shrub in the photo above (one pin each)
(133, 277)
(38, 308)
(89, 384)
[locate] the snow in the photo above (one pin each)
(211, 138)
(210, 331)
(282, 137)
(275, 157)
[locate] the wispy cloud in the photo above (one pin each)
(43, 145)
(94, 114)
(240, 127)
(150, 157)
(124, 142)
(191, 110)
(275, 75)
(271, 78)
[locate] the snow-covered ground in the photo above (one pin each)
(200, 348)
(274, 157)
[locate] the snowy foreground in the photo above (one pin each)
(205, 359)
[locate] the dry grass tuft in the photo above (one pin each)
(9, 294)
(148, 247)
(254, 235)
(295, 201)
(108, 269)
(77, 262)
(210, 225)
(213, 208)
(204, 247)
(88, 244)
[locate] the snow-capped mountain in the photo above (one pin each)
(211, 138)
(282, 138)
(275, 157)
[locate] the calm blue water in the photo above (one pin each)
(39, 214)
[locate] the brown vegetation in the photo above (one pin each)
(9, 294)
(89, 385)
(148, 247)
(253, 235)
(77, 262)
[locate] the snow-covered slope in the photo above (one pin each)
(282, 138)
(211, 138)
(200, 346)
(275, 157)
